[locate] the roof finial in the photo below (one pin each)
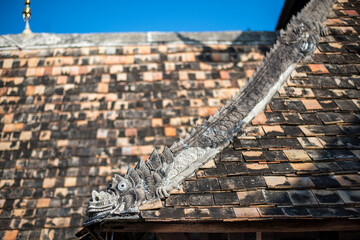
(26, 16)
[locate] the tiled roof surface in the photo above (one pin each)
(299, 158)
(72, 117)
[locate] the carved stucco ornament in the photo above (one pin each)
(160, 174)
(149, 180)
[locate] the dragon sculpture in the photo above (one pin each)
(160, 174)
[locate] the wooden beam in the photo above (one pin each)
(228, 227)
(172, 236)
(258, 235)
(95, 234)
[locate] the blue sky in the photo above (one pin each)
(80, 16)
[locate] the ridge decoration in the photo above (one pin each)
(160, 174)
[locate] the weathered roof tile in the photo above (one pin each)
(246, 212)
(325, 181)
(271, 212)
(350, 196)
(297, 155)
(280, 198)
(302, 197)
(326, 197)
(207, 184)
(222, 213)
(350, 165)
(328, 167)
(248, 198)
(251, 182)
(226, 198)
(231, 183)
(280, 168)
(300, 182)
(277, 182)
(236, 169)
(296, 212)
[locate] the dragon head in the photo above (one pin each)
(103, 203)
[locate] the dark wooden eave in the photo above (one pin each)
(290, 8)
(298, 225)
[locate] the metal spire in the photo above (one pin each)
(26, 16)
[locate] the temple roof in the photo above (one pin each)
(75, 109)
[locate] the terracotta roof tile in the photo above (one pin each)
(246, 212)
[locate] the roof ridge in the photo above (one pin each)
(40, 40)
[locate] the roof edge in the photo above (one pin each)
(264, 225)
(46, 40)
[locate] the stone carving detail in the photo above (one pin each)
(148, 181)
(160, 174)
(140, 184)
(303, 32)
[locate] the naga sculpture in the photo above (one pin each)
(149, 180)
(160, 174)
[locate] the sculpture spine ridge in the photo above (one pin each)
(159, 174)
